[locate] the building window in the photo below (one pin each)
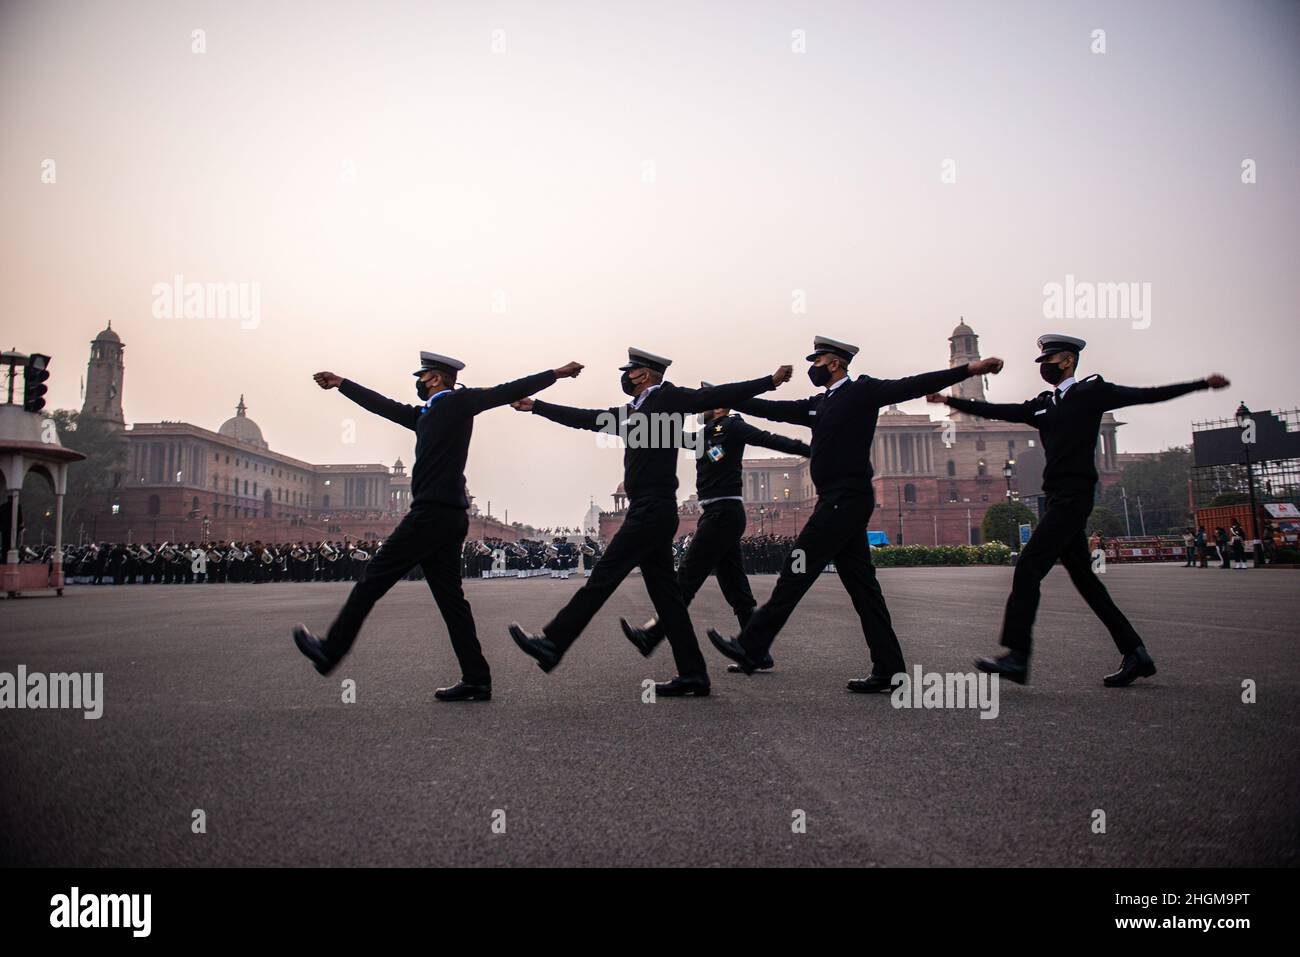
(952, 468)
(984, 497)
(979, 445)
(1011, 447)
(982, 469)
(909, 493)
(952, 493)
(155, 505)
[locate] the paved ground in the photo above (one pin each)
(209, 706)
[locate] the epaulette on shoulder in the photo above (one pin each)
(1044, 395)
(1095, 377)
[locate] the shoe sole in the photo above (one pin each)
(322, 666)
(476, 697)
(704, 693)
(746, 666)
(526, 647)
(646, 650)
(737, 670)
(1144, 673)
(1022, 679)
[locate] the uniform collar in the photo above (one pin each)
(433, 398)
(1063, 386)
(636, 401)
(840, 382)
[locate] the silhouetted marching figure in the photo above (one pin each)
(843, 423)
(1068, 418)
(714, 549)
(653, 428)
(433, 531)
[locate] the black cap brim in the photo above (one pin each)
(828, 352)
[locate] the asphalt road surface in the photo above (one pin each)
(208, 706)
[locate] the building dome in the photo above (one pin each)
(962, 329)
(241, 428)
(108, 335)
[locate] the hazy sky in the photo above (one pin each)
(402, 176)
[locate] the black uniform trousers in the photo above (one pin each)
(714, 549)
(645, 540)
(836, 531)
(430, 536)
(1061, 534)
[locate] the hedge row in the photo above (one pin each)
(990, 553)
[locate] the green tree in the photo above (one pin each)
(1160, 484)
(1105, 522)
(90, 481)
(1002, 523)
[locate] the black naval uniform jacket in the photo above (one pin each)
(1069, 425)
(651, 473)
(442, 432)
(718, 464)
(843, 423)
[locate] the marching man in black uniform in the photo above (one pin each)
(843, 423)
(652, 423)
(1068, 417)
(433, 531)
(714, 549)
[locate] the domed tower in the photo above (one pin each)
(964, 347)
(242, 428)
(104, 375)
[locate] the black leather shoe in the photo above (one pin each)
(463, 691)
(683, 685)
(538, 646)
(1013, 666)
(643, 638)
(733, 650)
(872, 684)
(1136, 664)
(762, 664)
(314, 649)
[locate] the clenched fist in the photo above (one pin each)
(937, 398)
(569, 370)
(524, 405)
(1217, 381)
(327, 380)
(782, 374)
(986, 366)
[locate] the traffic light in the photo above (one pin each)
(34, 376)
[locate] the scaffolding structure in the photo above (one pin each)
(1275, 479)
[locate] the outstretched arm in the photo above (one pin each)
(1022, 412)
(794, 411)
(889, 391)
(480, 400)
(1109, 396)
(399, 412)
(770, 440)
(723, 396)
(593, 420)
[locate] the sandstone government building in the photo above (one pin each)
(934, 479)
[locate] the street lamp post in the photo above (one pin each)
(1244, 421)
(1009, 470)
